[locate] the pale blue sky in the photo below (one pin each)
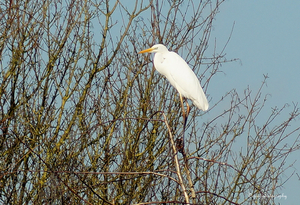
(266, 38)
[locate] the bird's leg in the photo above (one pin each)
(184, 114)
(180, 142)
(182, 106)
(187, 109)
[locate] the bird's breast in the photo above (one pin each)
(160, 64)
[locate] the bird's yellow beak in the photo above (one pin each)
(146, 50)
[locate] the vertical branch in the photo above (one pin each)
(188, 174)
(176, 161)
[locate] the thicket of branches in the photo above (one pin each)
(85, 119)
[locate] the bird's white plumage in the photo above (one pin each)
(180, 75)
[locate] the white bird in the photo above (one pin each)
(180, 75)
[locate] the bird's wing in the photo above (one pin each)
(183, 78)
(185, 81)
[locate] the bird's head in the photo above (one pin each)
(155, 49)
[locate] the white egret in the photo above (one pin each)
(180, 75)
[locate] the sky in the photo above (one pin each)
(266, 39)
